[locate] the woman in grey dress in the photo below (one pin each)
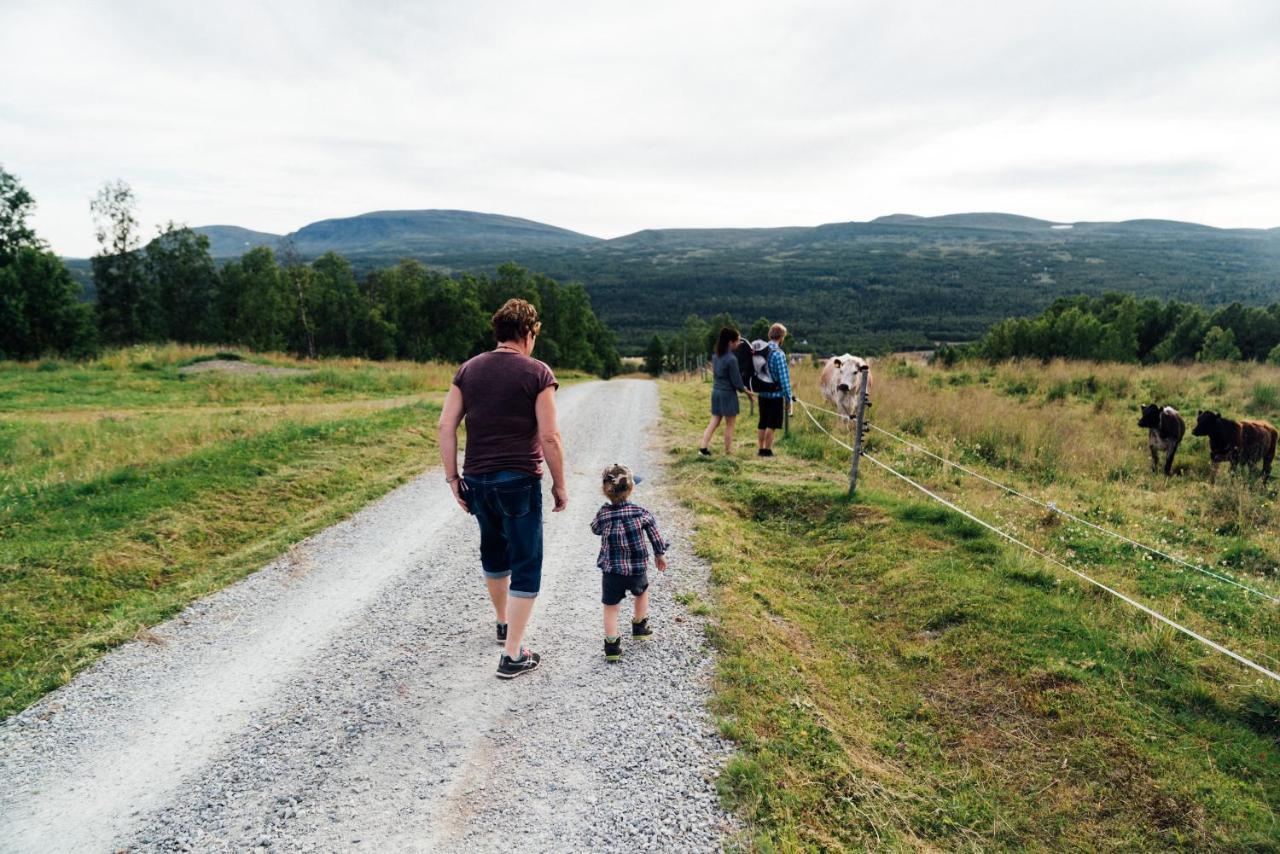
(726, 383)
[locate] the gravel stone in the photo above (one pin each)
(345, 694)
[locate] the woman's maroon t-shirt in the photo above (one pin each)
(499, 394)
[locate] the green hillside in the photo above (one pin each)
(905, 283)
(897, 678)
(897, 281)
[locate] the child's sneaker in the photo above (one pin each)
(613, 649)
(510, 668)
(502, 633)
(641, 630)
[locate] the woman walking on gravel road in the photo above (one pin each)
(508, 400)
(726, 383)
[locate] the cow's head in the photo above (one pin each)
(1206, 422)
(846, 371)
(1150, 416)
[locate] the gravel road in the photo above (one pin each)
(344, 698)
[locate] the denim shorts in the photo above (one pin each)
(614, 588)
(508, 507)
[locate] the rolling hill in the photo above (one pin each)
(402, 233)
(896, 281)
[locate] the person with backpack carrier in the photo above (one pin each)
(772, 384)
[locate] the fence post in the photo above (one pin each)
(786, 418)
(857, 436)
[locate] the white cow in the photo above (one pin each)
(839, 383)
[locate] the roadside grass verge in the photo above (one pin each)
(126, 494)
(897, 677)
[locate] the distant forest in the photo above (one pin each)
(1119, 328)
(876, 292)
(172, 290)
(893, 283)
(897, 282)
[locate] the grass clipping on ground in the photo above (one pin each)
(896, 676)
(130, 489)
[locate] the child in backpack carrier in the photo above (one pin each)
(771, 381)
(624, 558)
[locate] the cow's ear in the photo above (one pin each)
(835, 362)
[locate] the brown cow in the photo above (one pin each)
(1237, 442)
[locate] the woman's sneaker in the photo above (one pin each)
(510, 668)
(641, 630)
(502, 633)
(704, 452)
(613, 649)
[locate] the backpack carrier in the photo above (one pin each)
(761, 379)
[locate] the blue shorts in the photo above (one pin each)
(508, 507)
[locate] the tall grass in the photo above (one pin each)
(130, 488)
(896, 677)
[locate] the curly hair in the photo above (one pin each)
(516, 319)
(617, 481)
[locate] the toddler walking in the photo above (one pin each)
(624, 559)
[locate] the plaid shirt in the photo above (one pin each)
(622, 529)
(780, 372)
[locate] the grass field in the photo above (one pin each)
(897, 677)
(129, 489)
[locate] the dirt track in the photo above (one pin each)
(344, 697)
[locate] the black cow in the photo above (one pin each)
(1165, 429)
(1237, 442)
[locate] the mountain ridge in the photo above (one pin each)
(446, 230)
(899, 280)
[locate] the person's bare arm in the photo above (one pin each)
(552, 446)
(450, 419)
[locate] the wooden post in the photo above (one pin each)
(786, 418)
(857, 436)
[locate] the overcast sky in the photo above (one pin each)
(608, 118)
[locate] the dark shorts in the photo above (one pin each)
(614, 588)
(508, 507)
(770, 413)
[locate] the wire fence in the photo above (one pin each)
(1054, 508)
(1005, 535)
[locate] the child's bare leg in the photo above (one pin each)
(728, 433)
(641, 608)
(611, 621)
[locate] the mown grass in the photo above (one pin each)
(897, 677)
(130, 489)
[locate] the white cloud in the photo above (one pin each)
(608, 118)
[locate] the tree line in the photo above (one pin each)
(1120, 328)
(693, 343)
(170, 289)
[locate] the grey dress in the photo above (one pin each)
(725, 385)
